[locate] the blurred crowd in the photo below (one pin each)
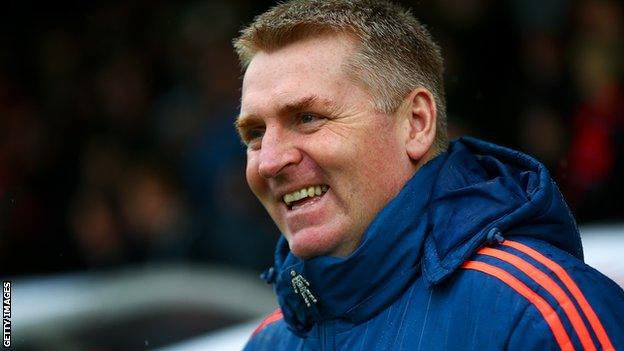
(117, 143)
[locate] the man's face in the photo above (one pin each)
(310, 130)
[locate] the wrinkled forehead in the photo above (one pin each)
(313, 66)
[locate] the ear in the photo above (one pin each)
(421, 116)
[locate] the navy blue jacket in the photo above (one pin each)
(477, 252)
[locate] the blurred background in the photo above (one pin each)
(118, 152)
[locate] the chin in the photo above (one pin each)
(310, 246)
(310, 243)
(305, 251)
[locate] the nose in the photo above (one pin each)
(277, 152)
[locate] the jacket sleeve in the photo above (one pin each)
(602, 314)
(261, 341)
(532, 333)
(270, 335)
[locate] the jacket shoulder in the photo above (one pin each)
(566, 302)
(272, 334)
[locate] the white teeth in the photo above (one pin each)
(310, 191)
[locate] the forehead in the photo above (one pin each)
(313, 66)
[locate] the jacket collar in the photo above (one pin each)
(362, 284)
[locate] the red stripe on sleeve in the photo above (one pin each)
(593, 319)
(550, 316)
(547, 283)
(273, 317)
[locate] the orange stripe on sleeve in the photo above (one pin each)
(550, 316)
(547, 283)
(273, 317)
(593, 319)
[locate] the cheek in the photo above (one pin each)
(381, 166)
(254, 180)
(355, 158)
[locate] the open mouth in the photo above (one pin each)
(304, 196)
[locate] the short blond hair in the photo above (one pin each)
(397, 53)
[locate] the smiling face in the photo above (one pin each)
(321, 160)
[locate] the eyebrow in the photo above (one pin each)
(303, 103)
(298, 105)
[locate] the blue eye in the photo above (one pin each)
(308, 117)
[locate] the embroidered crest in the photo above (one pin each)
(301, 287)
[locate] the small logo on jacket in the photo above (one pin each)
(300, 287)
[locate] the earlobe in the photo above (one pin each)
(421, 115)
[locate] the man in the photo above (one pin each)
(394, 239)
